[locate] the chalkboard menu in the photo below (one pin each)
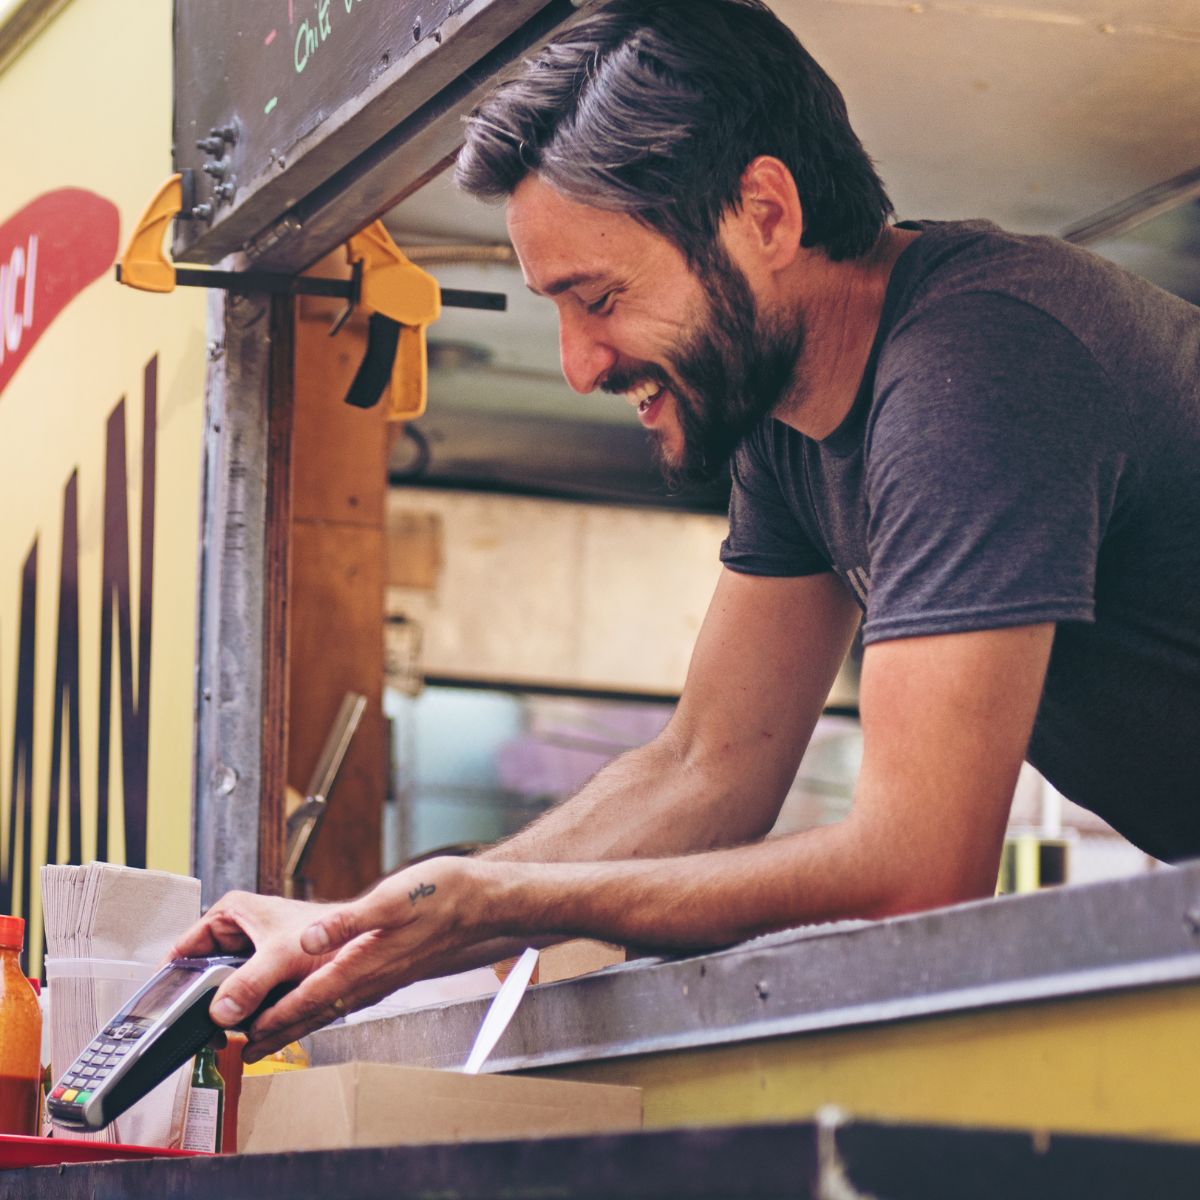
(274, 98)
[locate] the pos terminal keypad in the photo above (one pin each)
(154, 1034)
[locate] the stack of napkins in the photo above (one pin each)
(108, 928)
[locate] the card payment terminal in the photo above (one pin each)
(154, 1033)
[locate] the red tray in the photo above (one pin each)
(17, 1150)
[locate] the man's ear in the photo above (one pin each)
(772, 219)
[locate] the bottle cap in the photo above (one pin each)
(12, 933)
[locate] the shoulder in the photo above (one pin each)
(968, 256)
(990, 355)
(981, 388)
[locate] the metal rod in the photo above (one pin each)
(1135, 210)
(460, 298)
(337, 742)
(278, 284)
(263, 281)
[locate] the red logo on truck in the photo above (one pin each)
(49, 252)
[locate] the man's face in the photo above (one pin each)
(689, 350)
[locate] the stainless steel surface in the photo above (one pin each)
(1068, 942)
(230, 653)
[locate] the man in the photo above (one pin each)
(987, 444)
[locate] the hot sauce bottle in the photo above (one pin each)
(20, 1036)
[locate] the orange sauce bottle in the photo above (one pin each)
(20, 1036)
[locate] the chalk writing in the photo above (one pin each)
(313, 32)
(310, 35)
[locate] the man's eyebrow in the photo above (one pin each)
(556, 287)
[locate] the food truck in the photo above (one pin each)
(286, 643)
(102, 407)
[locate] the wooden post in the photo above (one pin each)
(339, 483)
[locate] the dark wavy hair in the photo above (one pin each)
(655, 108)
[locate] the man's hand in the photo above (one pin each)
(266, 926)
(428, 920)
(413, 925)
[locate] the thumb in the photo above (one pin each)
(245, 991)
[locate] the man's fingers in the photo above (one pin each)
(259, 1046)
(325, 995)
(199, 941)
(216, 932)
(253, 1051)
(329, 992)
(339, 925)
(242, 994)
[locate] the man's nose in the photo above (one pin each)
(586, 358)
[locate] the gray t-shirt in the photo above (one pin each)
(1024, 448)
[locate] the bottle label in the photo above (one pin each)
(200, 1128)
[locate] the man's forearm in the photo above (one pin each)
(652, 802)
(716, 776)
(710, 899)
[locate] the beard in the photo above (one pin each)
(729, 372)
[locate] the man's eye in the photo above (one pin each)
(603, 304)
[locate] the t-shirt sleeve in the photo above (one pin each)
(996, 458)
(765, 536)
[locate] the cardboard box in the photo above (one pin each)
(568, 960)
(377, 1104)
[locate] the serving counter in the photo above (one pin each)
(1022, 1041)
(1073, 1009)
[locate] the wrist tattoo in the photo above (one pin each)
(421, 891)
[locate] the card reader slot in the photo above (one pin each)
(69, 1115)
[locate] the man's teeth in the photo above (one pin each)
(643, 395)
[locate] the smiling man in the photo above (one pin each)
(983, 447)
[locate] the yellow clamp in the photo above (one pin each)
(390, 285)
(143, 265)
(396, 288)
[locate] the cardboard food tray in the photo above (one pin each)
(376, 1104)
